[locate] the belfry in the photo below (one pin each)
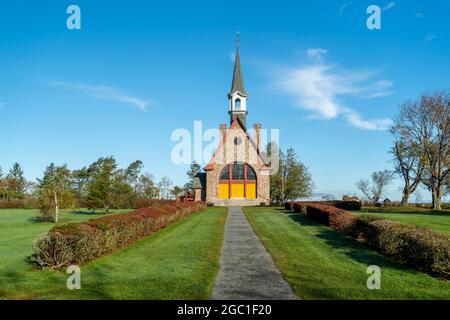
(236, 173)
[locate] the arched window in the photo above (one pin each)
(237, 180)
(237, 104)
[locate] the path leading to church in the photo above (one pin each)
(247, 270)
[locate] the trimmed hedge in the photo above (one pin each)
(79, 243)
(420, 248)
(345, 205)
(30, 203)
(336, 218)
(142, 203)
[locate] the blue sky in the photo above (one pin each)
(137, 70)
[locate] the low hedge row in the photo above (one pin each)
(345, 205)
(78, 243)
(30, 203)
(420, 248)
(142, 203)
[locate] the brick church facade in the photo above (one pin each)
(236, 173)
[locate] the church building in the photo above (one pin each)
(236, 173)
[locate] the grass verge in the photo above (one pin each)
(435, 220)
(179, 262)
(321, 263)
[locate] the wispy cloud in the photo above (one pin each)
(342, 7)
(371, 124)
(320, 88)
(2, 104)
(430, 37)
(419, 15)
(105, 93)
(316, 53)
(389, 6)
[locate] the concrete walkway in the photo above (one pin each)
(247, 270)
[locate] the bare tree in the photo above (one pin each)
(375, 189)
(426, 123)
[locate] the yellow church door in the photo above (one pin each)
(250, 189)
(237, 190)
(224, 191)
(237, 181)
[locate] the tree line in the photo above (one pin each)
(101, 185)
(421, 150)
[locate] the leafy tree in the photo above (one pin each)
(194, 169)
(133, 172)
(2, 185)
(164, 186)
(376, 189)
(16, 182)
(54, 190)
(147, 187)
(292, 180)
(176, 191)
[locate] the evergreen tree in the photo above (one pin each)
(15, 182)
(194, 169)
(80, 179)
(108, 187)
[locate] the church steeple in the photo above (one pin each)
(238, 81)
(238, 94)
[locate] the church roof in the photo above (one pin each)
(236, 123)
(199, 181)
(238, 81)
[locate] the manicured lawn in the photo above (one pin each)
(179, 262)
(436, 220)
(321, 263)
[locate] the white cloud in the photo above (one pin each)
(316, 53)
(419, 15)
(105, 93)
(389, 6)
(343, 6)
(430, 37)
(371, 124)
(319, 88)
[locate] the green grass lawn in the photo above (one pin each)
(321, 263)
(179, 262)
(436, 220)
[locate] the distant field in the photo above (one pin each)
(436, 220)
(321, 263)
(179, 262)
